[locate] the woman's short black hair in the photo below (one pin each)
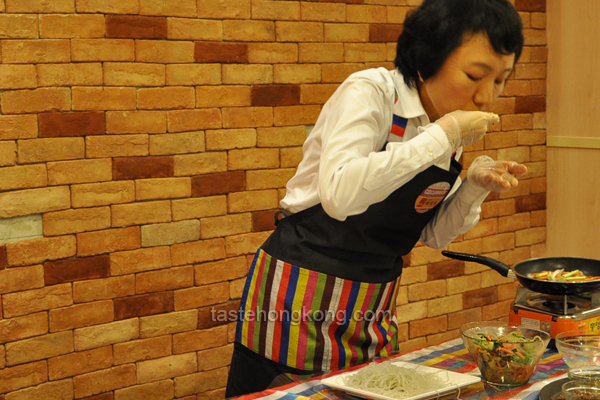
(436, 28)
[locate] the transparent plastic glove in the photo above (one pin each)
(495, 176)
(464, 128)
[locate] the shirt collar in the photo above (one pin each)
(408, 104)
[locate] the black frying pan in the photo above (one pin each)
(587, 266)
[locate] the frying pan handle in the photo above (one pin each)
(496, 265)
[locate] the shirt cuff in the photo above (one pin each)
(433, 139)
(471, 193)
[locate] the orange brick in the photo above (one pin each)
(164, 389)
(136, 27)
(34, 251)
(366, 13)
(166, 98)
(134, 74)
(72, 26)
(33, 201)
(252, 201)
(13, 329)
(215, 9)
(245, 243)
(413, 311)
(163, 188)
(17, 76)
(104, 380)
(35, 51)
(37, 6)
(249, 31)
(202, 163)
(104, 98)
(415, 274)
(193, 74)
(32, 301)
(253, 159)
(108, 7)
(36, 100)
(79, 171)
(17, 26)
(365, 52)
(428, 326)
(127, 262)
(296, 73)
(166, 367)
(345, 33)
(513, 223)
(102, 50)
(316, 93)
(426, 290)
(39, 348)
(276, 10)
(181, 8)
(142, 349)
(194, 29)
(80, 362)
(292, 31)
(106, 241)
(195, 297)
(336, 73)
(199, 207)
(60, 389)
(455, 320)
(245, 74)
(193, 120)
(200, 382)
(170, 52)
(102, 335)
(81, 315)
(157, 281)
(272, 53)
(222, 96)
(530, 236)
(215, 358)
(99, 194)
(176, 143)
(296, 115)
(18, 127)
(102, 289)
(22, 376)
(76, 220)
(141, 213)
(321, 52)
(23, 177)
(219, 271)
(50, 149)
(167, 324)
(503, 241)
(226, 225)
(290, 157)
(268, 178)
(116, 146)
(200, 251)
(199, 340)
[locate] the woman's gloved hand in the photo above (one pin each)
(495, 176)
(464, 128)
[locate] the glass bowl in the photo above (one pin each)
(506, 355)
(581, 352)
(580, 390)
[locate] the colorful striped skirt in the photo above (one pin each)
(314, 321)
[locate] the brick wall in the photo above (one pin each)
(144, 146)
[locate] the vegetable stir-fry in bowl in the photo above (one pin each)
(506, 355)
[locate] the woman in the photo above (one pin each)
(380, 172)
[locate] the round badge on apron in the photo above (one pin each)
(431, 196)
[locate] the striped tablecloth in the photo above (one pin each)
(450, 355)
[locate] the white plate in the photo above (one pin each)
(457, 380)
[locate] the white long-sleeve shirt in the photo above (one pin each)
(345, 169)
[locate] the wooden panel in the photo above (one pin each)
(573, 128)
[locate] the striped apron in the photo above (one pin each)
(321, 293)
(313, 321)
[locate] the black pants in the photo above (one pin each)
(251, 372)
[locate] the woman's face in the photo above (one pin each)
(471, 79)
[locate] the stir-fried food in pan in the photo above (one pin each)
(560, 275)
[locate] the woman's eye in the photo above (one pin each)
(473, 78)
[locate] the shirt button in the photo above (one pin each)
(429, 152)
(399, 171)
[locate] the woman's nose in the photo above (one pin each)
(485, 94)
